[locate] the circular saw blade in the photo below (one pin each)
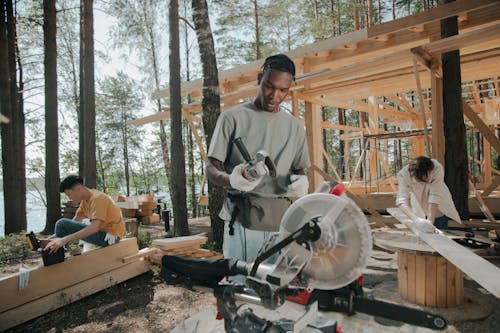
(342, 252)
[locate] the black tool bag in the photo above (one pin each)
(257, 213)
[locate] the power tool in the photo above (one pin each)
(48, 258)
(258, 166)
(324, 244)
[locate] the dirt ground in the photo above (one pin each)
(147, 304)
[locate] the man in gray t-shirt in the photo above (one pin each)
(261, 126)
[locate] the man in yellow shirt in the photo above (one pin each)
(106, 222)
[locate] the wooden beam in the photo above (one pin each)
(492, 187)
(482, 205)
(69, 294)
(330, 163)
(4, 119)
(313, 132)
(423, 107)
(487, 34)
(295, 104)
(480, 270)
(46, 280)
(429, 16)
(481, 126)
(437, 150)
(194, 130)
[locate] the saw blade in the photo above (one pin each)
(342, 252)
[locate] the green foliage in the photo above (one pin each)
(211, 246)
(144, 239)
(14, 249)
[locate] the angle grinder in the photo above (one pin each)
(258, 166)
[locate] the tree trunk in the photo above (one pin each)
(210, 105)
(370, 14)
(177, 147)
(87, 96)
(11, 106)
(51, 123)
(456, 170)
(356, 16)
(125, 151)
(156, 73)
(194, 197)
(258, 53)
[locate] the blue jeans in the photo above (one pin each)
(441, 222)
(66, 227)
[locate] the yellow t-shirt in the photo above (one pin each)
(100, 206)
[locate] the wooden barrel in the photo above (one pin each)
(429, 279)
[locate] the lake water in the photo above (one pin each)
(35, 212)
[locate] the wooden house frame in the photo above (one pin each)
(392, 72)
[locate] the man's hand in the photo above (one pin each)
(54, 244)
(240, 183)
(424, 225)
(298, 187)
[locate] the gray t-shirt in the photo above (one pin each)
(281, 135)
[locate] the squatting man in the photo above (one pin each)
(98, 220)
(254, 207)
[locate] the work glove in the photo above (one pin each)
(111, 239)
(298, 187)
(240, 183)
(424, 225)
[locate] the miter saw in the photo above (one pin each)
(324, 243)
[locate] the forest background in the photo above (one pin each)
(132, 60)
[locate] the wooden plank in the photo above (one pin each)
(441, 282)
(459, 291)
(420, 280)
(482, 205)
(423, 107)
(64, 296)
(435, 14)
(46, 280)
(430, 280)
(412, 286)
(480, 270)
(4, 119)
(179, 242)
(194, 130)
(481, 126)
(492, 187)
(143, 253)
(403, 274)
(451, 300)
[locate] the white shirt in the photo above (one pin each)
(418, 195)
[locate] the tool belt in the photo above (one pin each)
(257, 213)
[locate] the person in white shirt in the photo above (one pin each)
(423, 195)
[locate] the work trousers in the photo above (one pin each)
(66, 227)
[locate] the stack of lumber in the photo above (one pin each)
(187, 246)
(146, 208)
(69, 209)
(128, 208)
(54, 286)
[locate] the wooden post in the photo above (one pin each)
(314, 142)
(437, 117)
(422, 106)
(295, 105)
